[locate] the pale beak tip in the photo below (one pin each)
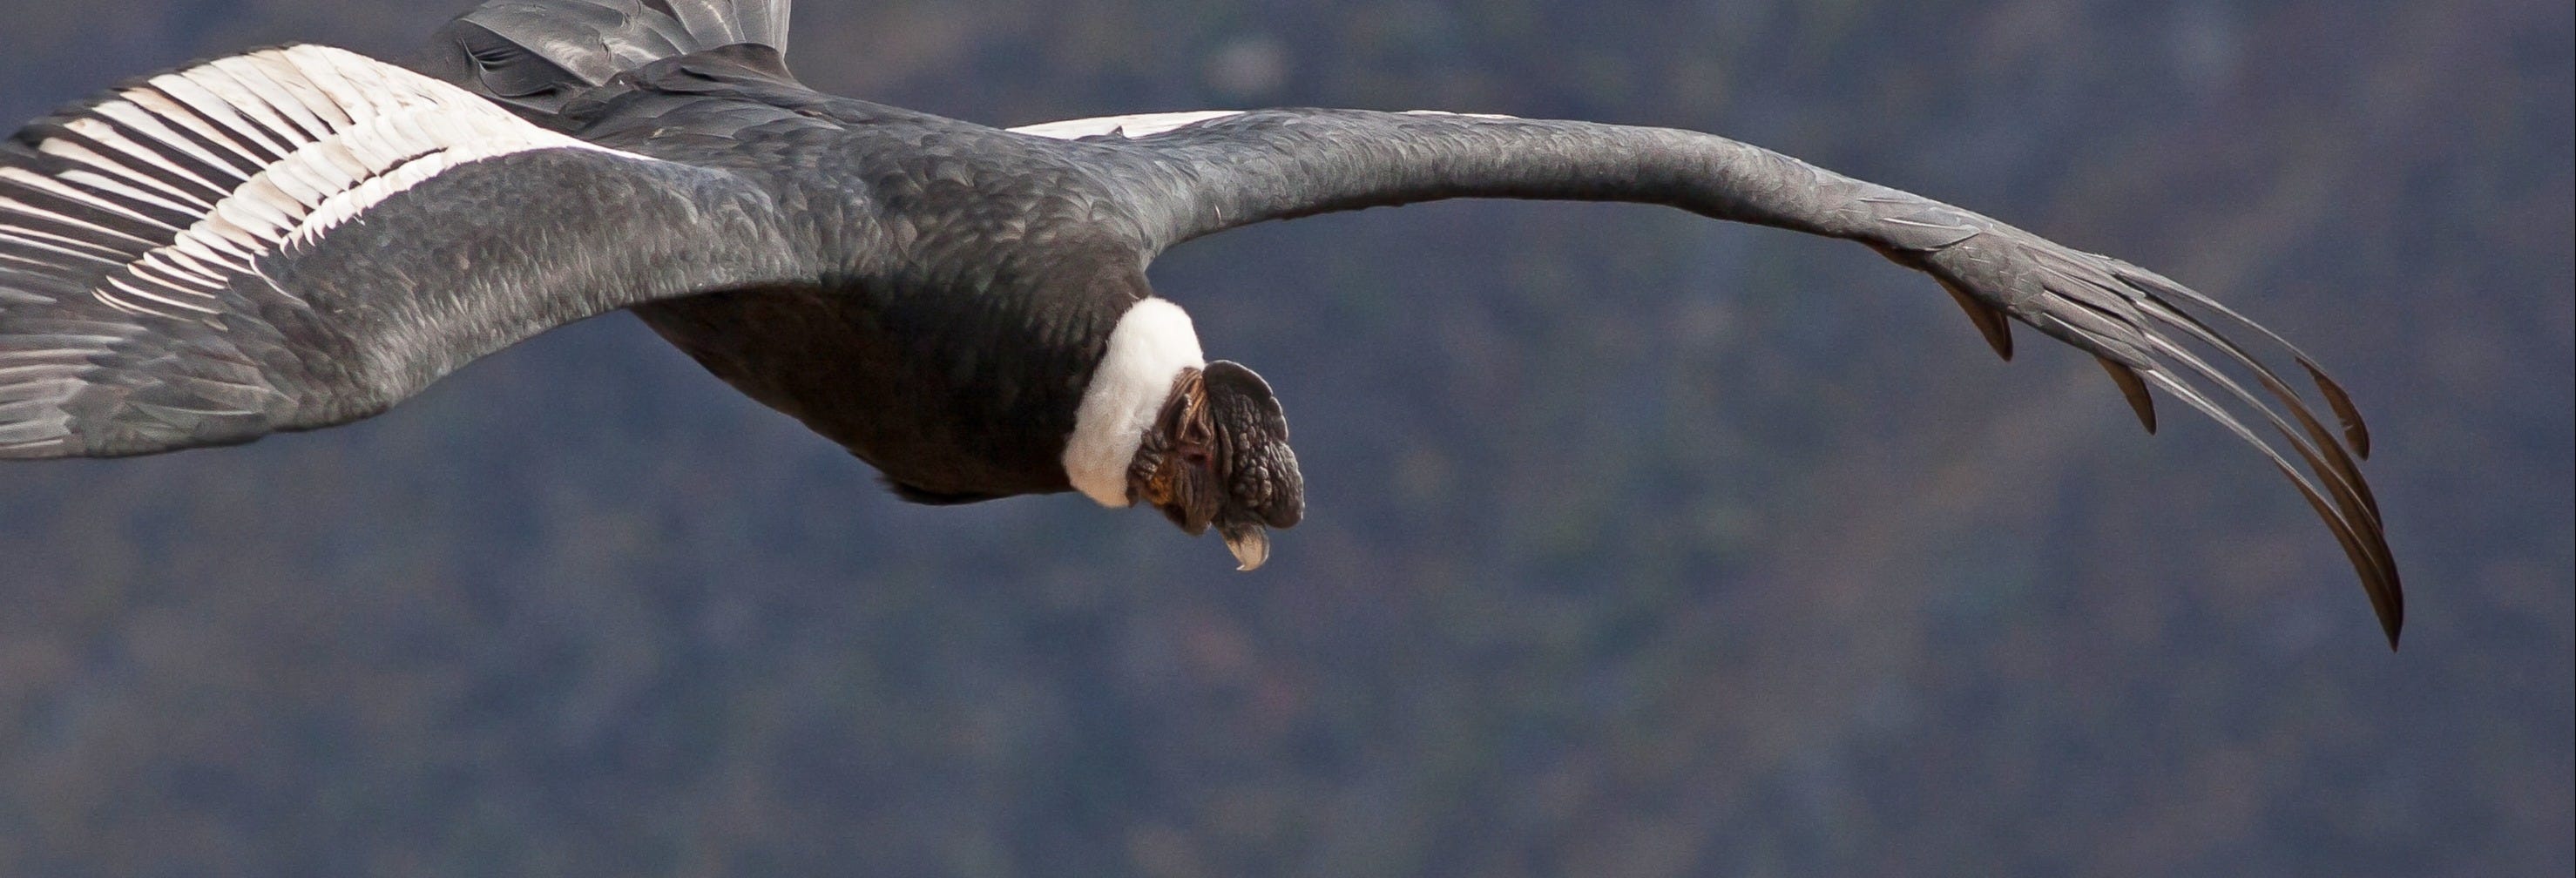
(1251, 547)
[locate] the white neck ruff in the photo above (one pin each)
(1148, 350)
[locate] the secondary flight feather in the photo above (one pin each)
(298, 237)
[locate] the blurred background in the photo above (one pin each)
(1640, 545)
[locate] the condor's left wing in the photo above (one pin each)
(1183, 175)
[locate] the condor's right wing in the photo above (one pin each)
(302, 236)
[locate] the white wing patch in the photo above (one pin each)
(1139, 125)
(1149, 124)
(167, 189)
(1448, 113)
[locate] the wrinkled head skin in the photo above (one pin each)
(1218, 455)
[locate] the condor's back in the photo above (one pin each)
(536, 56)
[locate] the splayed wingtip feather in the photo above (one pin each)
(2134, 389)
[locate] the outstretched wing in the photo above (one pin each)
(1190, 174)
(301, 236)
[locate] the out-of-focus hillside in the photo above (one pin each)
(1639, 544)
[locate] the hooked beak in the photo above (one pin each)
(1248, 540)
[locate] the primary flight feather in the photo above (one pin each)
(298, 237)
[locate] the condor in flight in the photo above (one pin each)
(299, 237)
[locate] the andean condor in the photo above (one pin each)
(298, 237)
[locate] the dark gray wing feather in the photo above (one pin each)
(1186, 175)
(537, 55)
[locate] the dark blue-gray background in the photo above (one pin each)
(1640, 544)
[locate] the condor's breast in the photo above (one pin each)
(955, 398)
